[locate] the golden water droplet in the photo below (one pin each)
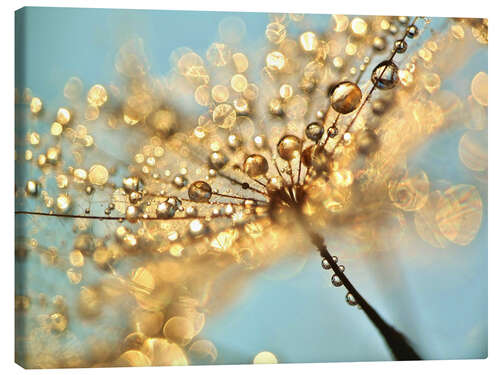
(74, 276)
(163, 353)
(264, 358)
(309, 41)
(202, 95)
(239, 83)
(203, 352)
(76, 258)
(58, 322)
(134, 341)
(63, 116)
(133, 358)
(98, 174)
(56, 129)
(340, 23)
(220, 93)
(473, 150)
(479, 88)
(275, 60)
(240, 62)
(164, 121)
(457, 31)
(459, 214)
(80, 175)
(36, 105)
(73, 88)
(359, 26)
(224, 116)
(34, 138)
(276, 32)
(62, 181)
(289, 147)
(179, 329)
(132, 214)
(286, 91)
(97, 95)
(432, 82)
(200, 191)
(406, 77)
(345, 97)
(63, 202)
(255, 165)
(425, 222)
(191, 66)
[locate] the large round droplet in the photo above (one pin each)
(314, 131)
(255, 165)
(200, 191)
(346, 97)
(385, 75)
(288, 147)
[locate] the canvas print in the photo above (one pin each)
(235, 188)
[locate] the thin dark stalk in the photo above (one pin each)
(397, 342)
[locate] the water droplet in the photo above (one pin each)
(165, 210)
(349, 298)
(314, 131)
(325, 264)
(288, 147)
(132, 214)
(412, 31)
(130, 184)
(378, 107)
(233, 141)
(336, 282)
(346, 97)
(400, 46)
(180, 181)
(379, 43)
(191, 211)
(200, 191)
(31, 188)
(255, 165)
(332, 132)
(217, 160)
(196, 228)
(135, 196)
(403, 20)
(385, 75)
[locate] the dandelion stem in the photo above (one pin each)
(397, 342)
